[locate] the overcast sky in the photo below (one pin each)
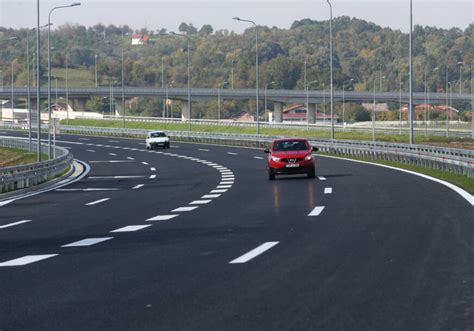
(156, 14)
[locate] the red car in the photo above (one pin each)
(290, 156)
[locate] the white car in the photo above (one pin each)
(157, 138)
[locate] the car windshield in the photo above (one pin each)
(157, 134)
(290, 145)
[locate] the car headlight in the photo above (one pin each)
(308, 157)
(275, 159)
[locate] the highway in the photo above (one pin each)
(197, 238)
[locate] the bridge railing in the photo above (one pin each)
(459, 161)
(28, 175)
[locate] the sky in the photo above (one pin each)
(157, 14)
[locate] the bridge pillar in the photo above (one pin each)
(185, 111)
(118, 107)
(311, 113)
(277, 112)
(80, 105)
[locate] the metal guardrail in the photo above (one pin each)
(459, 161)
(28, 175)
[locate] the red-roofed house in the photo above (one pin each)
(139, 39)
(298, 113)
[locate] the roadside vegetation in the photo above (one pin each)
(10, 157)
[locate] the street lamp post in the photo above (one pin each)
(373, 117)
(256, 68)
(96, 81)
(410, 79)
(331, 66)
(400, 114)
(49, 70)
(447, 102)
(163, 84)
(460, 64)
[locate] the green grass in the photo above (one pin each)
(10, 157)
(458, 180)
(301, 132)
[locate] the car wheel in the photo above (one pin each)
(271, 174)
(312, 173)
(147, 147)
(168, 145)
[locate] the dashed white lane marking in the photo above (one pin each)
(152, 169)
(152, 176)
(254, 252)
(84, 139)
(111, 161)
(200, 202)
(321, 178)
(232, 153)
(218, 191)
(203, 149)
(130, 158)
(112, 154)
(162, 218)
(90, 150)
(223, 186)
(97, 201)
(174, 146)
(131, 228)
(90, 189)
(316, 211)
(145, 163)
(258, 157)
(136, 187)
(177, 210)
(13, 224)
(226, 183)
(210, 196)
(115, 177)
(87, 242)
(328, 190)
(26, 260)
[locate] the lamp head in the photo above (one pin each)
(236, 18)
(74, 4)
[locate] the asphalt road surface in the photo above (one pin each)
(197, 238)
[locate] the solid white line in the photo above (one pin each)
(13, 224)
(321, 178)
(200, 202)
(258, 157)
(145, 163)
(210, 196)
(114, 177)
(90, 150)
(131, 228)
(232, 153)
(177, 210)
(316, 211)
(152, 176)
(87, 242)
(218, 191)
(466, 195)
(152, 169)
(111, 161)
(162, 218)
(85, 189)
(203, 149)
(254, 252)
(328, 190)
(136, 187)
(112, 154)
(26, 260)
(130, 158)
(224, 186)
(97, 201)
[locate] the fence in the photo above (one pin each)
(28, 175)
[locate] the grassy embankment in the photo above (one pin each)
(10, 157)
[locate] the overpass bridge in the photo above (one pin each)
(278, 97)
